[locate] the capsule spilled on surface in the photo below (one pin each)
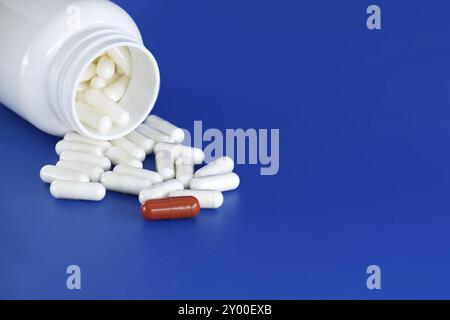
(170, 208)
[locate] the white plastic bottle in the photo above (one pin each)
(47, 45)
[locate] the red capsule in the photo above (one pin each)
(170, 208)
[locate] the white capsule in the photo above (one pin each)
(153, 134)
(106, 68)
(130, 147)
(101, 55)
(221, 165)
(105, 105)
(83, 87)
(64, 145)
(184, 170)
(76, 137)
(89, 73)
(92, 118)
(222, 182)
(100, 161)
(196, 154)
(98, 83)
(142, 141)
(208, 199)
(124, 183)
(179, 150)
(92, 171)
(165, 165)
(152, 176)
(116, 90)
(80, 97)
(114, 78)
(122, 57)
(167, 146)
(157, 123)
(52, 173)
(75, 190)
(119, 156)
(160, 190)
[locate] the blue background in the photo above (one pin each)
(364, 162)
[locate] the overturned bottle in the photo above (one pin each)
(75, 66)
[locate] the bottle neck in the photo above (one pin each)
(76, 55)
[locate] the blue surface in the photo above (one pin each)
(364, 174)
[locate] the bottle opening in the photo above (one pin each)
(111, 107)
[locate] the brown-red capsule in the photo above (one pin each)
(170, 208)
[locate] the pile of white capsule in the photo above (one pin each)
(84, 169)
(101, 88)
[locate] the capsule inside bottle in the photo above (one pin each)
(170, 208)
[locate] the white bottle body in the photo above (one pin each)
(46, 46)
